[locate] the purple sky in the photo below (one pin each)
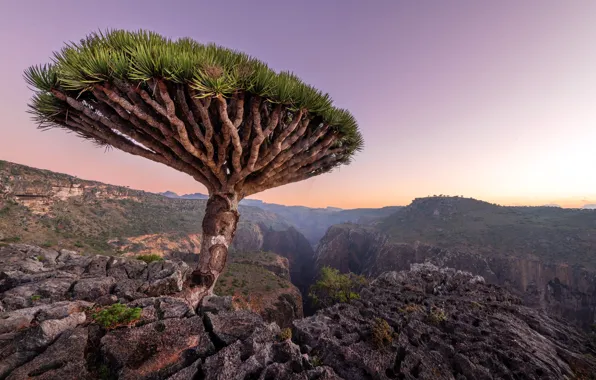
(494, 100)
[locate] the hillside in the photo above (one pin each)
(554, 235)
(52, 209)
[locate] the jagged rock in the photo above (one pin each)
(19, 319)
(64, 360)
(93, 288)
(187, 373)
(156, 350)
(229, 326)
(12, 359)
(442, 324)
(426, 323)
(97, 266)
(165, 277)
(49, 289)
(128, 290)
(174, 308)
(122, 268)
(215, 304)
(61, 310)
(565, 290)
(261, 357)
(47, 331)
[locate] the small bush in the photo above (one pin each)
(35, 297)
(40, 257)
(316, 361)
(117, 315)
(149, 258)
(411, 308)
(382, 334)
(334, 287)
(285, 334)
(13, 239)
(48, 244)
(436, 316)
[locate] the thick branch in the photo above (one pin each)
(202, 110)
(309, 171)
(168, 137)
(281, 142)
(190, 118)
(300, 143)
(232, 132)
(86, 124)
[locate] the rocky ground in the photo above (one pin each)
(426, 323)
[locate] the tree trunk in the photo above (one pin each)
(219, 226)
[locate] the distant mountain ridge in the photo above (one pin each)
(311, 222)
(57, 210)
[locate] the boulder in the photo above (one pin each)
(47, 331)
(93, 288)
(64, 360)
(156, 350)
(230, 326)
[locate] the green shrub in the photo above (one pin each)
(285, 334)
(149, 258)
(382, 334)
(316, 361)
(35, 297)
(117, 315)
(13, 239)
(334, 287)
(437, 316)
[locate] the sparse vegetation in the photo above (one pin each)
(149, 258)
(316, 361)
(334, 287)
(116, 315)
(411, 308)
(436, 316)
(382, 333)
(285, 334)
(35, 297)
(87, 222)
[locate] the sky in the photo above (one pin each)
(491, 100)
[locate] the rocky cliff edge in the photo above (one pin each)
(426, 323)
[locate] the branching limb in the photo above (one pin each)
(232, 133)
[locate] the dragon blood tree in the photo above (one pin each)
(221, 116)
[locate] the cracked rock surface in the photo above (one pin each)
(426, 323)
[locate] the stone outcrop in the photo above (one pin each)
(443, 324)
(427, 323)
(561, 289)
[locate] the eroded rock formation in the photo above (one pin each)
(561, 289)
(427, 323)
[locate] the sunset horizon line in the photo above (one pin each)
(570, 202)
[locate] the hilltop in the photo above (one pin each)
(552, 234)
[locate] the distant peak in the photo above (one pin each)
(169, 194)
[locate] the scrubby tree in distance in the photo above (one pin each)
(219, 115)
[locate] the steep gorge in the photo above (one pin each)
(565, 290)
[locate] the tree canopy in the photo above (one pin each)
(198, 108)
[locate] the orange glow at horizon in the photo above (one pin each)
(490, 100)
